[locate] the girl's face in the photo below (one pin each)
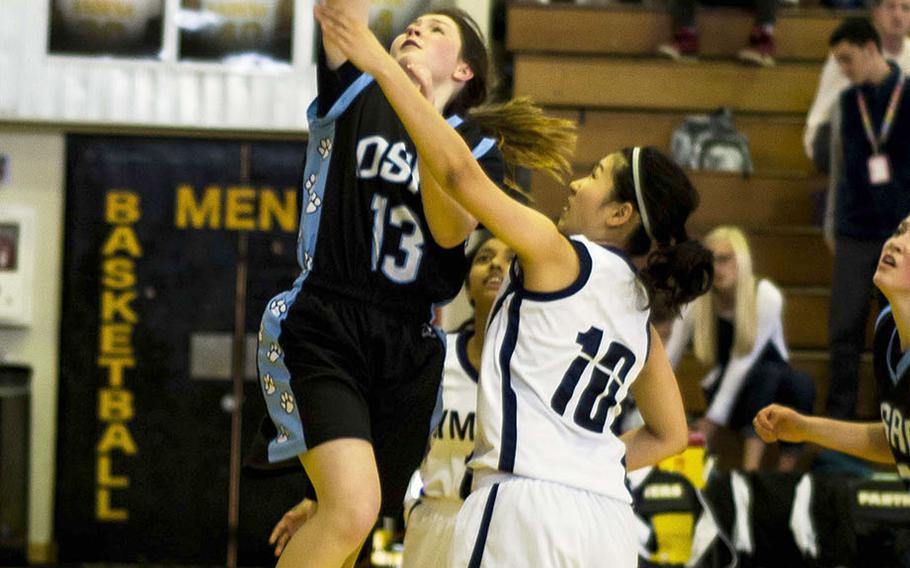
(588, 198)
(725, 269)
(488, 270)
(432, 40)
(892, 276)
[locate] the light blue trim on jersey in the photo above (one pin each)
(274, 376)
(343, 102)
(484, 146)
(886, 311)
(455, 121)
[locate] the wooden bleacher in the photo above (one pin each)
(596, 65)
(802, 34)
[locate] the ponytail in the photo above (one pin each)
(528, 138)
(675, 275)
(678, 269)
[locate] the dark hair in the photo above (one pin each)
(483, 236)
(679, 269)
(856, 31)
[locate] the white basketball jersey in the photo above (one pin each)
(556, 367)
(444, 467)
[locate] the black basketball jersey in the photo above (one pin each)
(891, 367)
(363, 232)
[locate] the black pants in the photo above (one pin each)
(851, 292)
(770, 380)
(684, 10)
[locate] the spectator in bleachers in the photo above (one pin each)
(892, 20)
(868, 196)
(737, 331)
(684, 47)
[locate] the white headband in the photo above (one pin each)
(638, 197)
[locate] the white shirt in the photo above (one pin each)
(555, 368)
(444, 467)
(770, 329)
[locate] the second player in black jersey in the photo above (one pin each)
(885, 441)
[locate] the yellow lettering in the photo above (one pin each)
(115, 367)
(270, 207)
(115, 405)
(116, 339)
(197, 215)
(122, 239)
(238, 214)
(113, 304)
(116, 436)
(105, 478)
(122, 208)
(118, 273)
(103, 510)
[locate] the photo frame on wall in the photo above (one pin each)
(255, 32)
(17, 256)
(124, 28)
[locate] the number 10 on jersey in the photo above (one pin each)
(609, 374)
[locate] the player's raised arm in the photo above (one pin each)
(356, 10)
(446, 157)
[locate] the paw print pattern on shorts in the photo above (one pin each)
(287, 402)
(278, 307)
(274, 352)
(307, 261)
(325, 146)
(268, 384)
(261, 331)
(283, 435)
(314, 202)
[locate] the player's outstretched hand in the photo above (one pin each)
(352, 37)
(289, 523)
(776, 423)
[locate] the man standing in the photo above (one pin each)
(892, 20)
(870, 193)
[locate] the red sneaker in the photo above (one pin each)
(761, 48)
(683, 48)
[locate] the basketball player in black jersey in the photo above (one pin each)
(885, 441)
(349, 364)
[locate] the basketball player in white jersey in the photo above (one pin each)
(568, 338)
(886, 441)
(431, 518)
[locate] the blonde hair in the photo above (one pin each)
(528, 138)
(745, 319)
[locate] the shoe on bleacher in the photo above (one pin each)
(684, 46)
(761, 48)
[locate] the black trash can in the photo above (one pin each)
(15, 389)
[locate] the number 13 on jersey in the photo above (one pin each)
(402, 266)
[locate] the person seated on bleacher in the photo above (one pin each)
(892, 20)
(684, 46)
(737, 331)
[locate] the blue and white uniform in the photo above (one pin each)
(550, 483)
